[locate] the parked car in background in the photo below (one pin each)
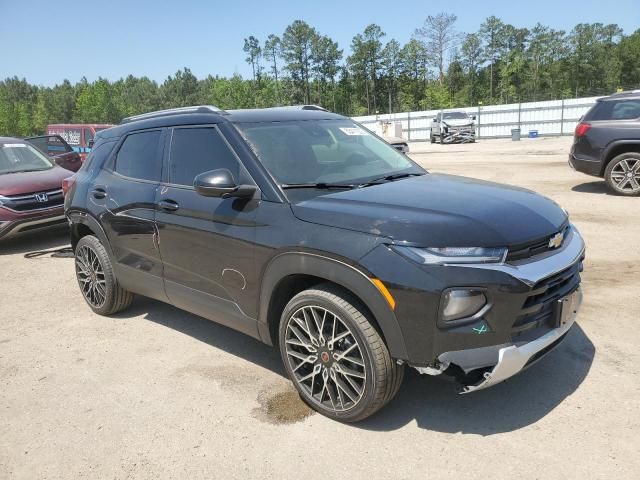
(79, 135)
(606, 142)
(453, 127)
(30, 188)
(58, 150)
(306, 231)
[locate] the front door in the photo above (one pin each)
(206, 244)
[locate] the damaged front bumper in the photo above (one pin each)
(512, 359)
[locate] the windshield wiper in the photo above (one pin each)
(320, 185)
(389, 178)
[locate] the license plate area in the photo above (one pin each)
(567, 308)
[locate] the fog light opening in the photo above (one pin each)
(462, 303)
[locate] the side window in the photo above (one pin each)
(139, 157)
(627, 110)
(198, 150)
(88, 136)
(71, 136)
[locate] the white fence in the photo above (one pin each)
(555, 117)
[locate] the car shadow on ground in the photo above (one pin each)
(592, 187)
(206, 331)
(432, 402)
(49, 239)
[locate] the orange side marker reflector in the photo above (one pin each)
(385, 293)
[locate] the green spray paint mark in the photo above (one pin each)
(480, 330)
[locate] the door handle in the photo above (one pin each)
(168, 205)
(99, 193)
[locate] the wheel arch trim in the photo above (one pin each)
(340, 273)
(81, 217)
(607, 154)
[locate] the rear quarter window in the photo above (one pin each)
(98, 155)
(615, 110)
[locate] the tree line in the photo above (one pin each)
(439, 67)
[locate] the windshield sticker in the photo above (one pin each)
(13, 145)
(353, 131)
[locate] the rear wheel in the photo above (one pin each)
(623, 174)
(336, 359)
(96, 279)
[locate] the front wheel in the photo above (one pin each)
(623, 174)
(336, 359)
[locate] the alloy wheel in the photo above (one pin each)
(325, 358)
(625, 175)
(91, 276)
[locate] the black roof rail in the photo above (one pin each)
(174, 111)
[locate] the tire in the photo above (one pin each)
(96, 279)
(623, 174)
(432, 138)
(346, 379)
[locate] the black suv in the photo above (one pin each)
(300, 228)
(607, 142)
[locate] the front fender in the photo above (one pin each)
(340, 273)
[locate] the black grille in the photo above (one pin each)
(540, 307)
(25, 203)
(530, 249)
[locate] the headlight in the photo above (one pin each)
(453, 255)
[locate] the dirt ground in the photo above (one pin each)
(158, 393)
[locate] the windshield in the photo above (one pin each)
(455, 116)
(323, 151)
(21, 157)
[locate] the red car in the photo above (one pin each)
(30, 188)
(78, 135)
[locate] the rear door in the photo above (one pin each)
(125, 194)
(206, 244)
(59, 150)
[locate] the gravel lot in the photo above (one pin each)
(158, 393)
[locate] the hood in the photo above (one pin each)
(439, 211)
(32, 182)
(457, 122)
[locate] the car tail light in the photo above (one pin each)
(67, 183)
(582, 129)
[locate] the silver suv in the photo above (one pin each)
(453, 127)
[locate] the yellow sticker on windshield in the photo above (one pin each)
(353, 131)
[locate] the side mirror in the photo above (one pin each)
(473, 117)
(220, 183)
(435, 120)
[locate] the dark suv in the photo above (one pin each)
(607, 142)
(300, 228)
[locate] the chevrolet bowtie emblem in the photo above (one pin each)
(556, 240)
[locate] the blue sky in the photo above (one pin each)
(47, 41)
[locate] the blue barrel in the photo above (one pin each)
(533, 133)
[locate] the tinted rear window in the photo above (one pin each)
(139, 156)
(615, 110)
